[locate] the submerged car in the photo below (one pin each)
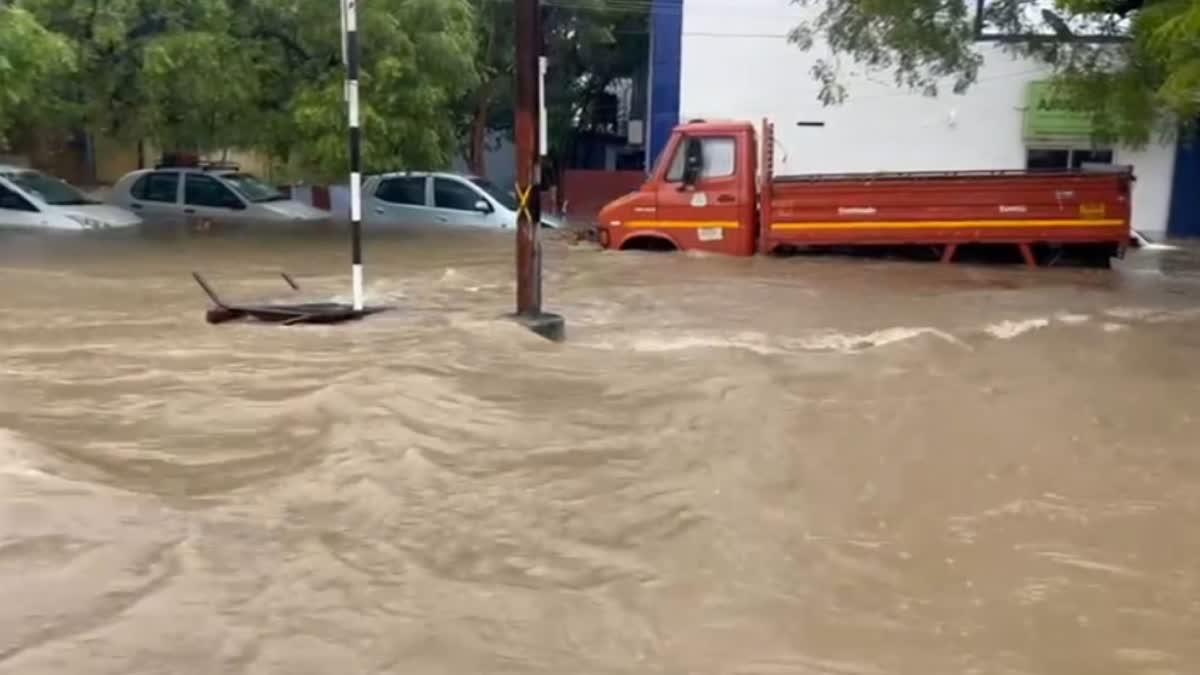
(410, 199)
(33, 200)
(204, 196)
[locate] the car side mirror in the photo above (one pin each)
(693, 162)
(483, 206)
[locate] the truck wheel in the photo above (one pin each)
(648, 243)
(1098, 255)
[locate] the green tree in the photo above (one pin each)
(264, 75)
(31, 59)
(589, 44)
(418, 62)
(592, 43)
(124, 50)
(1134, 87)
(488, 105)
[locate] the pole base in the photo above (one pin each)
(550, 326)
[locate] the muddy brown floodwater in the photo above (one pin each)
(734, 467)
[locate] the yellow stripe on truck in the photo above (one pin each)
(682, 224)
(879, 224)
(933, 224)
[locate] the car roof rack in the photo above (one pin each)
(219, 166)
(185, 161)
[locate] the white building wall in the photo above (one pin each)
(737, 63)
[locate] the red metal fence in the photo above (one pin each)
(584, 192)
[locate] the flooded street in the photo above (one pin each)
(734, 467)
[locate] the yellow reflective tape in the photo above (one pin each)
(682, 224)
(930, 224)
(523, 202)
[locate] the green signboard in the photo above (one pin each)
(1051, 120)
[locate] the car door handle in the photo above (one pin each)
(189, 210)
(135, 206)
(443, 219)
(726, 199)
(379, 210)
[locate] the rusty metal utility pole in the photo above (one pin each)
(529, 152)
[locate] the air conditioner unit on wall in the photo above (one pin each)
(636, 132)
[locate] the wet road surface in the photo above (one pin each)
(732, 466)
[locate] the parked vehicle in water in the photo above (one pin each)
(707, 194)
(33, 200)
(209, 195)
(416, 199)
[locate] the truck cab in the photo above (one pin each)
(701, 195)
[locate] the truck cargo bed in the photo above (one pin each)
(947, 209)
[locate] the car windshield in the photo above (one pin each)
(507, 198)
(252, 188)
(53, 191)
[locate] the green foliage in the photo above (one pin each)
(1134, 89)
(261, 75)
(922, 41)
(590, 44)
(594, 42)
(488, 105)
(201, 87)
(110, 39)
(266, 75)
(417, 61)
(31, 58)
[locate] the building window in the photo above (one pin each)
(1052, 159)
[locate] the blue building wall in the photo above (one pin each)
(666, 26)
(1184, 218)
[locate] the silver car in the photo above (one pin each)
(203, 197)
(32, 200)
(413, 199)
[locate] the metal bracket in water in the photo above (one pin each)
(553, 327)
(286, 314)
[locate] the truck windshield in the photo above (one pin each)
(53, 191)
(507, 198)
(252, 188)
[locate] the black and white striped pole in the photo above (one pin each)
(350, 49)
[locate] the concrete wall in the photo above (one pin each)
(740, 65)
(498, 161)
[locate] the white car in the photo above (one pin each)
(32, 200)
(407, 199)
(202, 196)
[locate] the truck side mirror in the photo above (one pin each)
(693, 161)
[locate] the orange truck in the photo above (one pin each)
(707, 194)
